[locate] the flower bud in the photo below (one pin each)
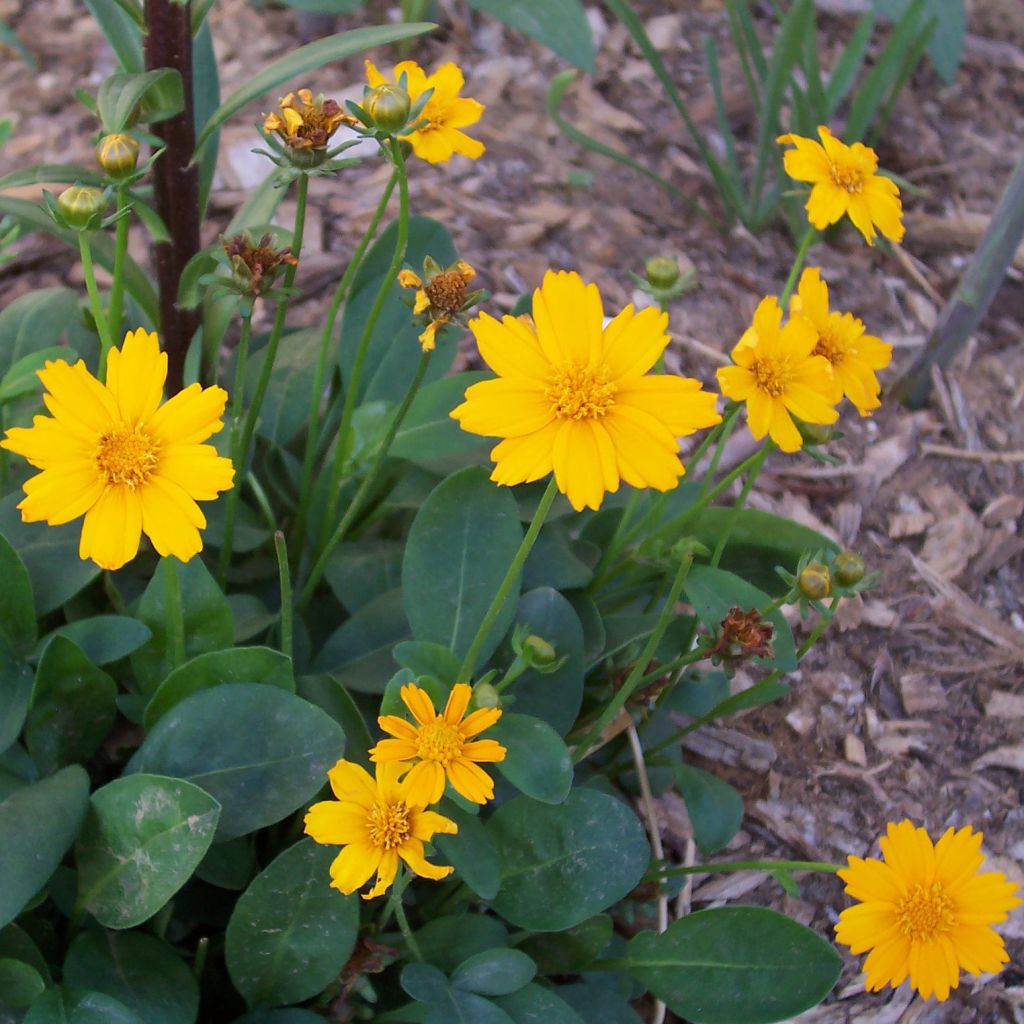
(539, 652)
(815, 581)
(388, 107)
(118, 154)
(485, 695)
(849, 568)
(816, 433)
(662, 271)
(80, 205)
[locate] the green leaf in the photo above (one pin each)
(537, 761)
(597, 1005)
(459, 548)
(106, 638)
(572, 950)
(37, 825)
(291, 933)
(259, 751)
(152, 95)
(735, 963)
(563, 864)
(496, 972)
(19, 984)
(555, 697)
(143, 838)
(286, 403)
(358, 653)
(16, 680)
(63, 1005)
(73, 707)
(362, 570)
(428, 431)
(33, 322)
(427, 659)
(16, 944)
(229, 865)
(205, 100)
(121, 32)
(49, 553)
(447, 941)
(424, 982)
(555, 561)
(22, 378)
(292, 1015)
(392, 354)
(207, 622)
(714, 807)
(234, 665)
(17, 614)
(561, 27)
(472, 852)
(307, 58)
(138, 970)
(467, 1006)
(947, 41)
(536, 1005)
(328, 694)
(712, 592)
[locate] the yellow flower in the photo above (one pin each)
(572, 396)
(113, 453)
(925, 911)
(853, 355)
(445, 112)
(844, 181)
(376, 821)
(442, 745)
(308, 123)
(779, 377)
(441, 297)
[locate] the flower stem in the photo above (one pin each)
(640, 665)
(798, 262)
(724, 867)
(315, 398)
(356, 505)
(748, 484)
(285, 578)
(102, 327)
(511, 579)
(241, 361)
(115, 306)
(352, 384)
(403, 924)
(174, 621)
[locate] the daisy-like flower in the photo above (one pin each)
(441, 745)
(440, 296)
(572, 396)
(925, 911)
(113, 453)
(778, 376)
(843, 180)
(307, 122)
(446, 112)
(376, 821)
(853, 355)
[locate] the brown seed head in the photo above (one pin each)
(447, 291)
(744, 635)
(258, 263)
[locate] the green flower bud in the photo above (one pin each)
(815, 581)
(388, 107)
(539, 652)
(816, 433)
(849, 568)
(81, 206)
(485, 695)
(118, 154)
(662, 271)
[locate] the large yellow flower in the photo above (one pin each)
(778, 376)
(844, 181)
(853, 355)
(113, 453)
(572, 396)
(925, 911)
(441, 745)
(376, 821)
(445, 112)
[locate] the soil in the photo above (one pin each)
(913, 706)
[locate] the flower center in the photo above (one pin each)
(924, 911)
(447, 291)
(830, 345)
(772, 375)
(126, 457)
(851, 179)
(439, 742)
(389, 825)
(580, 392)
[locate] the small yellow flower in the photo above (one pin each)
(853, 355)
(445, 112)
(573, 396)
(113, 453)
(441, 297)
(844, 181)
(441, 745)
(924, 911)
(778, 376)
(376, 821)
(307, 123)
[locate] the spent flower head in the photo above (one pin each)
(743, 634)
(305, 125)
(442, 296)
(256, 264)
(844, 181)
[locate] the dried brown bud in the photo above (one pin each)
(744, 635)
(256, 264)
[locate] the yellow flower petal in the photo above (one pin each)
(569, 319)
(424, 785)
(632, 342)
(353, 866)
(331, 822)
(458, 702)
(190, 417)
(61, 494)
(136, 375)
(171, 519)
(351, 782)
(112, 528)
(419, 703)
(412, 853)
(471, 782)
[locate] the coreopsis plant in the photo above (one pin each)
(311, 554)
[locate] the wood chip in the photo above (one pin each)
(1011, 757)
(731, 747)
(919, 692)
(1005, 705)
(1005, 508)
(854, 751)
(909, 524)
(955, 537)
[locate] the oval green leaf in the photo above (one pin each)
(714, 807)
(561, 27)
(536, 1005)
(428, 432)
(19, 984)
(537, 761)
(17, 611)
(496, 972)
(63, 1005)
(106, 638)
(471, 852)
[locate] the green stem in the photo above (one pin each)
(355, 506)
(115, 307)
(241, 361)
(618, 539)
(4, 463)
(798, 262)
(512, 578)
(725, 867)
(102, 327)
(734, 512)
(352, 385)
(285, 578)
(316, 395)
(640, 665)
(726, 432)
(174, 621)
(403, 924)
